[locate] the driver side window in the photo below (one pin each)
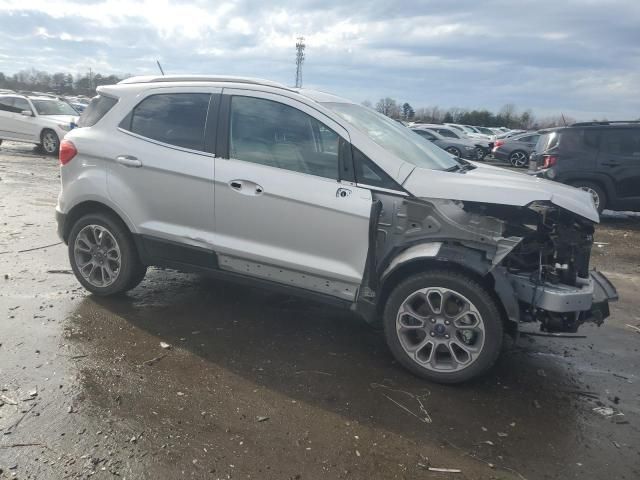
(277, 135)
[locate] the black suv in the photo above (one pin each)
(602, 158)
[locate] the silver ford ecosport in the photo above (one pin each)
(312, 194)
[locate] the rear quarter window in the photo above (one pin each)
(98, 108)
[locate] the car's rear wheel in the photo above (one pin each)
(444, 326)
(103, 255)
(518, 159)
(454, 151)
(480, 153)
(49, 142)
(596, 192)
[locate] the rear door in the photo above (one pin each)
(619, 158)
(160, 168)
(12, 125)
(282, 214)
(27, 126)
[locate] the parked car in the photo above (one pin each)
(33, 119)
(462, 147)
(482, 147)
(308, 193)
(516, 149)
(602, 158)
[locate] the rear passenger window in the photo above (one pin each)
(175, 118)
(97, 108)
(271, 133)
(621, 142)
(6, 104)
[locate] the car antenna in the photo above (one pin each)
(160, 67)
(563, 120)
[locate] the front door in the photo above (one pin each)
(281, 212)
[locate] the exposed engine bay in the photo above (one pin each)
(535, 258)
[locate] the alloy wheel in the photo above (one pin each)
(594, 195)
(440, 329)
(49, 142)
(97, 255)
(518, 159)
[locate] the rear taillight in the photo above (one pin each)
(498, 143)
(549, 160)
(67, 152)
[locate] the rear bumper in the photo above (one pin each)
(61, 220)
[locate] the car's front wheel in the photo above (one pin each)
(103, 255)
(443, 325)
(49, 142)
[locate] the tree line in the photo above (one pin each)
(60, 83)
(508, 116)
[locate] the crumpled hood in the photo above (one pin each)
(500, 186)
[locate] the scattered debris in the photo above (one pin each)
(542, 373)
(607, 412)
(444, 470)
(536, 404)
(502, 434)
(262, 419)
(68, 272)
(636, 329)
(38, 248)
(422, 415)
(165, 345)
(154, 360)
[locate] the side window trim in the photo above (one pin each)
(345, 170)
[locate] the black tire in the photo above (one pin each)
(476, 294)
(481, 153)
(49, 142)
(131, 270)
(515, 159)
(454, 151)
(600, 197)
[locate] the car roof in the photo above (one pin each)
(595, 125)
(188, 80)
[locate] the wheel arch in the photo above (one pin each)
(90, 206)
(602, 181)
(424, 264)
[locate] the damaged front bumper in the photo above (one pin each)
(563, 308)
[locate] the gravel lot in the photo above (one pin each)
(257, 385)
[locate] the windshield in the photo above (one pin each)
(395, 138)
(53, 107)
(484, 130)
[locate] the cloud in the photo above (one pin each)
(577, 56)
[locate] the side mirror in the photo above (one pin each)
(26, 113)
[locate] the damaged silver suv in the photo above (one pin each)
(308, 193)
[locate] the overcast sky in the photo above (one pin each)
(580, 57)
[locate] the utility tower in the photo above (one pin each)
(300, 46)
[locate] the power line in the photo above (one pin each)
(300, 46)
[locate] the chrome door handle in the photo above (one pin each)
(128, 161)
(343, 192)
(246, 187)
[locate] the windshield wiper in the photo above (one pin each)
(453, 168)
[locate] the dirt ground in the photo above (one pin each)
(263, 386)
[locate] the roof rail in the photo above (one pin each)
(203, 78)
(604, 122)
